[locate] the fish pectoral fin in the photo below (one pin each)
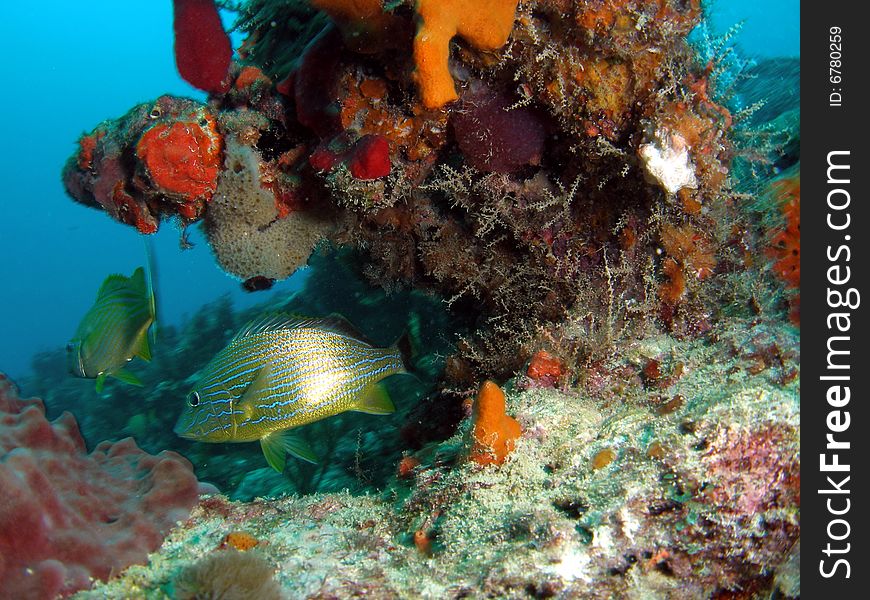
(374, 400)
(262, 379)
(101, 379)
(127, 377)
(278, 444)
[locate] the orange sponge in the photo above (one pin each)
(495, 433)
(484, 24)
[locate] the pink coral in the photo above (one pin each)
(754, 472)
(67, 516)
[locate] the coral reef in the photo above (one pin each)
(68, 517)
(563, 196)
(611, 491)
(581, 137)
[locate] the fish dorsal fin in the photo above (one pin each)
(112, 284)
(338, 324)
(278, 444)
(374, 400)
(137, 281)
(280, 321)
(272, 322)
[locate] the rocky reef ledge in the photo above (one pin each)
(668, 471)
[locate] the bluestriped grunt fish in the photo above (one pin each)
(114, 330)
(281, 372)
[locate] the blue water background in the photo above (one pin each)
(70, 66)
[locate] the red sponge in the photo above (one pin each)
(370, 158)
(202, 47)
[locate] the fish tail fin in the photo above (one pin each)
(278, 444)
(409, 344)
(406, 351)
(142, 349)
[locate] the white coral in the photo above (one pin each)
(666, 161)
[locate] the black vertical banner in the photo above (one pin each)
(835, 260)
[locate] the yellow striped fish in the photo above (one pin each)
(281, 372)
(114, 330)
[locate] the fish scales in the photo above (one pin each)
(271, 378)
(121, 321)
(114, 329)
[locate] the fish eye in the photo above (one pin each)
(69, 347)
(193, 398)
(155, 112)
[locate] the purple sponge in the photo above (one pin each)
(493, 138)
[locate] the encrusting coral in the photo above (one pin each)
(176, 152)
(182, 159)
(786, 241)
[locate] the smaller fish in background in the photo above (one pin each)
(114, 330)
(281, 372)
(257, 283)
